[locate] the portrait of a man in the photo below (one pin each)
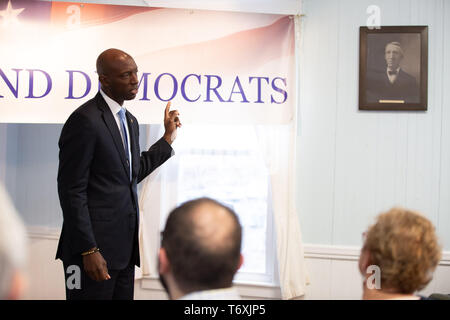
(393, 68)
(392, 83)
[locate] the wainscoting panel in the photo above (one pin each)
(333, 272)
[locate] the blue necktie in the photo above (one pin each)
(124, 134)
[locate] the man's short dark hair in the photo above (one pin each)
(200, 260)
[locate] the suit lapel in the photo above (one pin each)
(111, 123)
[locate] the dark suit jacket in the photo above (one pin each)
(378, 87)
(99, 203)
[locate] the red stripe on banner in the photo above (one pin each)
(245, 50)
(73, 14)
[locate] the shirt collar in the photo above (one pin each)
(215, 294)
(113, 105)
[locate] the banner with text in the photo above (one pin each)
(215, 67)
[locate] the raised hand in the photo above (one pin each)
(171, 123)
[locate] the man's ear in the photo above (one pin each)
(241, 262)
(164, 263)
(103, 80)
(364, 261)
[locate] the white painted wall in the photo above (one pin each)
(354, 164)
(8, 157)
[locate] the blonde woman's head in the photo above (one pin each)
(404, 245)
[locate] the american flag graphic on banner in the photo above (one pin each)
(85, 14)
(224, 62)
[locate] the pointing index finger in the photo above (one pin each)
(168, 108)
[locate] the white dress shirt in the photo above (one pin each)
(115, 108)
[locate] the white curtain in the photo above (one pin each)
(150, 208)
(149, 202)
(278, 146)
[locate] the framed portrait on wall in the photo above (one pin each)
(393, 68)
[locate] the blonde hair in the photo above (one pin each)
(404, 245)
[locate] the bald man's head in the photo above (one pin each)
(212, 224)
(202, 239)
(117, 73)
(107, 59)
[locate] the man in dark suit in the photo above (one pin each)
(99, 167)
(392, 83)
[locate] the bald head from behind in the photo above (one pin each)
(117, 73)
(202, 245)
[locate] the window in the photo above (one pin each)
(224, 162)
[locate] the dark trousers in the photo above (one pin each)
(119, 287)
